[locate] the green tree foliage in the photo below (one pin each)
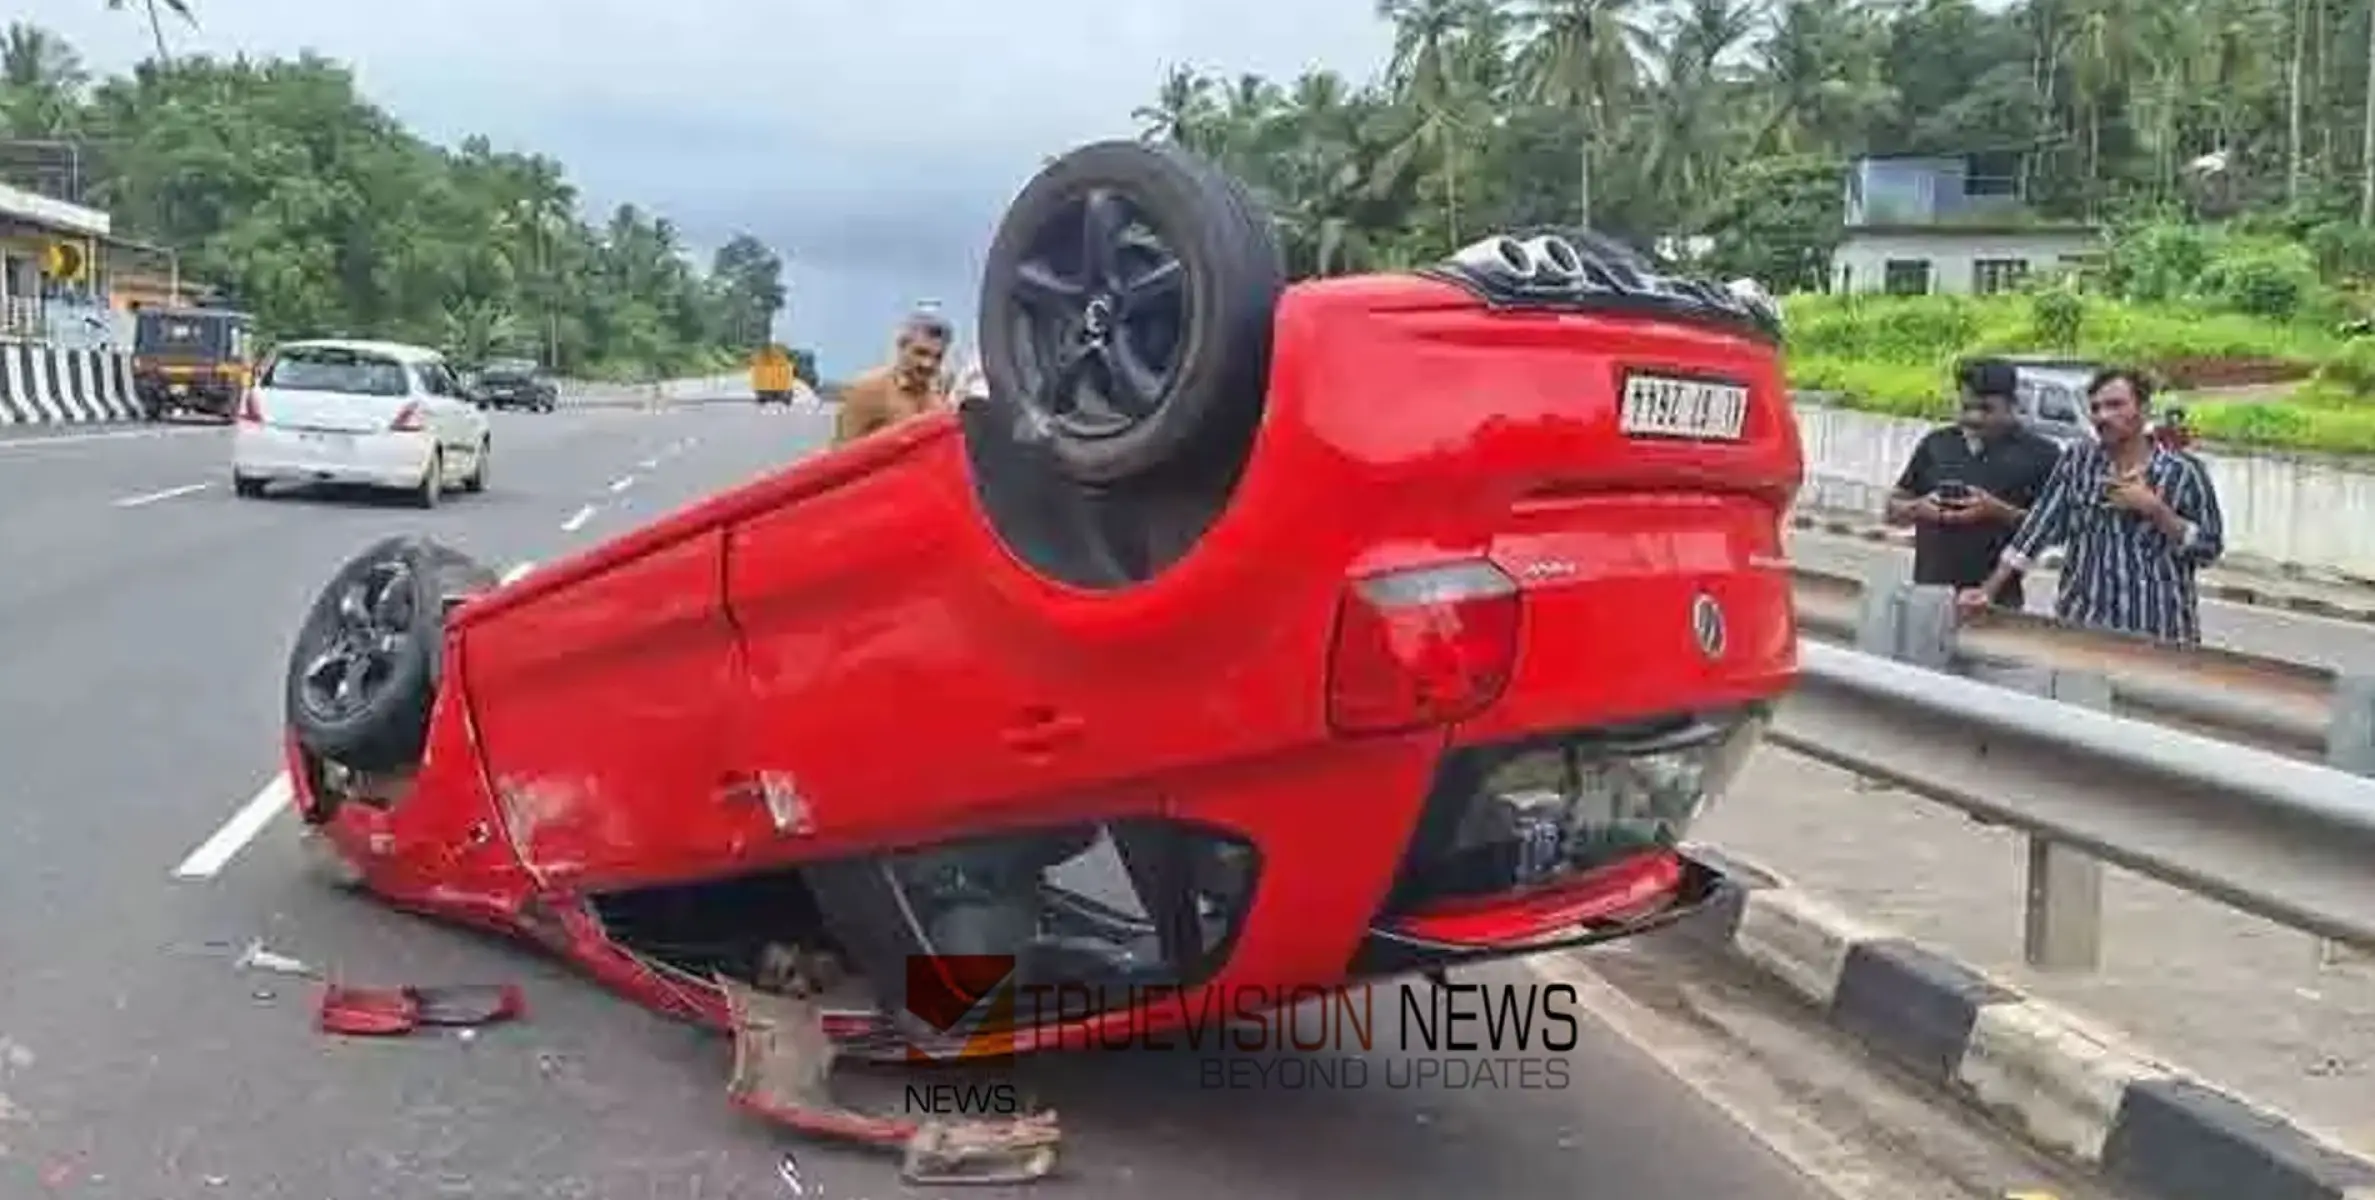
(1725, 124)
(317, 211)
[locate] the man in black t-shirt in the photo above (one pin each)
(1969, 484)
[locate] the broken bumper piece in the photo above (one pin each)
(396, 1011)
(783, 1062)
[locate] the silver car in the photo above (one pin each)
(2052, 396)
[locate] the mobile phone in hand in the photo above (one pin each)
(1954, 492)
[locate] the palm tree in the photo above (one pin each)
(156, 24)
(1319, 173)
(40, 80)
(1821, 75)
(1686, 116)
(1579, 56)
(1179, 111)
(1435, 57)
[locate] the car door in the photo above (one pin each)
(454, 418)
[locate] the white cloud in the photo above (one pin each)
(872, 143)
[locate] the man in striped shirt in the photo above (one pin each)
(2138, 520)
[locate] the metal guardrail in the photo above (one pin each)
(2016, 720)
(2270, 703)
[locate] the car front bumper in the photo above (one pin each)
(389, 459)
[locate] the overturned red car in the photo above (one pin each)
(1245, 634)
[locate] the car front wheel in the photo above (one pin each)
(364, 670)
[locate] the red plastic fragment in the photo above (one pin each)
(396, 1011)
(368, 1012)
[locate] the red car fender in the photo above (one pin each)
(441, 847)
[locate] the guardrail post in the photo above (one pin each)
(2350, 746)
(1908, 622)
(2350, 734)
(1876, 608)
(2062, 917)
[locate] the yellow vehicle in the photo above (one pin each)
(771, 375)
(191, 359)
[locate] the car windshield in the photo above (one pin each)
(508, 369)
(328, 369)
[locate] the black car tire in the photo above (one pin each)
(385, 611)
(1200, 355)
(430, 491)
(478, 471)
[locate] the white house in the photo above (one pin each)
(1932, 224)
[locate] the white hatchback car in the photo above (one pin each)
(378, 414)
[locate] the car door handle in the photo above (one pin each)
(1041, 730)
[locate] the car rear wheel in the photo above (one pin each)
(364, 670)
(478, 470)
(1127, 305)
(432, 485)
(245, 486)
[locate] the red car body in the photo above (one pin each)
(1441, 540)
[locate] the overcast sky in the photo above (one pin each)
(872, 143)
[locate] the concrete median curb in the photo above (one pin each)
(2212, 589)
(2065, 1085)
(650, 402)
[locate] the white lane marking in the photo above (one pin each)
(167, 494)
(649, 464)
(215, 852)
(622, 483)
(76, 439)
(517, 571)
(578, 519)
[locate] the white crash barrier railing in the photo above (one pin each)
(2033, 748)
(2293, 708)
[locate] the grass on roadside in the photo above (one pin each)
(1896, 355)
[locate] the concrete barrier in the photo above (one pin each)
(2300, 510)
(42, 384)
(707, 389)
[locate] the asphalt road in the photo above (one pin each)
(145, 615)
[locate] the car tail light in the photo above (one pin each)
(1422, 646)
(251, 409)
(411, 419)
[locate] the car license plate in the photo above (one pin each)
(1668, 407)
(321, 439)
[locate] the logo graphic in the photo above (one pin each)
(967, 998)
(1707, 625)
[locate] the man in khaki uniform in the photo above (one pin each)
(909, 387)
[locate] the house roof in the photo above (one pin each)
(49, 212)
